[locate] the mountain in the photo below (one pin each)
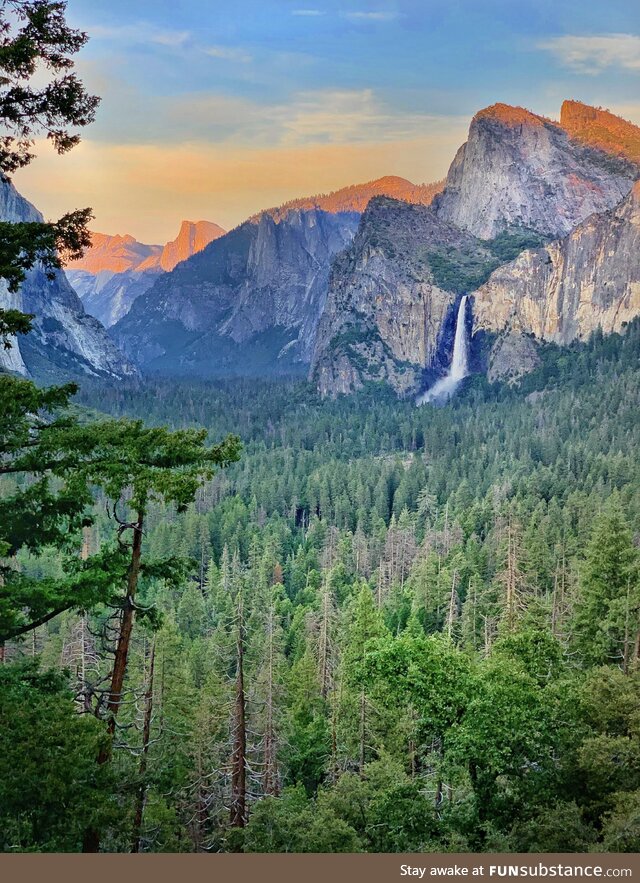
(519, 181)
(192, 238)
(118, 269)
(113, 254)
(520, 169)
(248, 302)
(568, 289)
(356, 197)
(389, 312)
(251, 301)
(108, 296)
(64, 341)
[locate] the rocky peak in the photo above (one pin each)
(601, 129)
(518, 169)
(122, 252)
(115, 254)
(519, 180)
(117, 269)
(192, 238)
(510, 115)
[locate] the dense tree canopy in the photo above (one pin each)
(407, 628)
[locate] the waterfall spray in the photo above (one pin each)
(445, 387)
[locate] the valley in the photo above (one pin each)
(319, 531)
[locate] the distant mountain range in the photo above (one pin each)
(251, 301)
(537, 221)
(118, 269)
(65, 340)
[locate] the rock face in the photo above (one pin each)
(113, 254)
(64, 341)
(519, 169)
(512, 355)
(566, 290)
(392, 295)
(108, 296)
(519, 177)
(118, 269)
(192, 238)
(251, 301)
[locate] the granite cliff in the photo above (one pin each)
(251, 301)
(64, 340)
(390, 309)
(520, 181)
(520, 169)
(566, 290)
(248, 302)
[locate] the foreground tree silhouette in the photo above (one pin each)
(135, 466)
(35, 37)
(58, 460)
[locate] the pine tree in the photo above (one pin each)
(607, 609)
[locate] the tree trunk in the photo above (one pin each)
(334, 738)
(91, 842)
(363, 730)
(144, 757)
(237, 814)
(126, 627)
(271, 779)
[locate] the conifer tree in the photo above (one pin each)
(607, 611)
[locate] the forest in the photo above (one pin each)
(384, 628)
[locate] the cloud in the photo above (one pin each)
(591, 55)
(229, 53)
(142, 32)
(370, 16)
(341, 116)
(323, 116)
(355, 16)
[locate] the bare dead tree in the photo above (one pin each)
(452, 610)
(512, 579)
(238, 807)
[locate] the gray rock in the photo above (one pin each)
(520, 169)
(563, 292)
(391, 295)
(250, 301)
(64, 340)
(107, 295)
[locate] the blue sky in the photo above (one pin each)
(217, 109)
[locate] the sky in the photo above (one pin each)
(215, 110)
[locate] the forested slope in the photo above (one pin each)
(435, 612)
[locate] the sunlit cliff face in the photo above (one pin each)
(118, 254)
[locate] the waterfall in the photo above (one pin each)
(445, 387)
